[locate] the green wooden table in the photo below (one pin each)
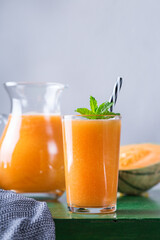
(137, 218)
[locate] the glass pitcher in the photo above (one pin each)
(31, 148)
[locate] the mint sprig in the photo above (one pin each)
(97, 112)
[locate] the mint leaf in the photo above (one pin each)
(84, 111)
(110, 113)
(101, 112)
(93, 104)
(104, 107)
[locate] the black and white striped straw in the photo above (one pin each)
(116, 90)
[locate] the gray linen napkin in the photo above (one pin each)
(24, 218)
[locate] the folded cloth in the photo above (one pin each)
(24, 218)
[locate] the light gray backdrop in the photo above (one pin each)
(87, 44)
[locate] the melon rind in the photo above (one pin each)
(137, 181)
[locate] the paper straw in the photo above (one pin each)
(116, 90)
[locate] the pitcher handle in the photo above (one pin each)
(3, 118)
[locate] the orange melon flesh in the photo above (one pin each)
(138, 156)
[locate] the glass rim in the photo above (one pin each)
(83, 117)
(32, 83)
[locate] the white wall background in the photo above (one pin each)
(87, 44)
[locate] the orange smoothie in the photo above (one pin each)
(31, 154)
(91, 150)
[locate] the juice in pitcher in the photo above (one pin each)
(31, 154)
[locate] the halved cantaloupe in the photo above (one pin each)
(139, 168)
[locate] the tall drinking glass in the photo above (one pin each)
(91, 155)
